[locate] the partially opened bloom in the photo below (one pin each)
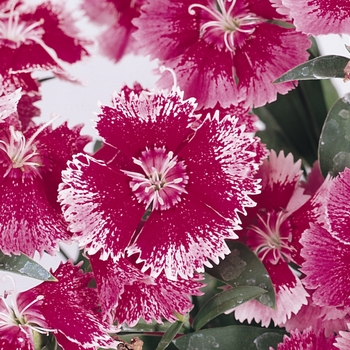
(307, 340)
(317, 17)
(192, 182)
(66, 308)
(39, 37)
(222, 51)
(128, 294)
(31, 162)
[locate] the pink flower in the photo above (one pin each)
(272, 230)
(222, 51)
(327, 246)
(317, 17)
(117, 40)
(156, 167)
(31, 162)
(66, 308)
(127, 294)
(307, 340)
(37, 38)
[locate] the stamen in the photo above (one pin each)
(22, 151)
(163, 179)
(172, 72)
(272, 238)
(226, 22)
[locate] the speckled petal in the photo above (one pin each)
(308, 340)
(98, 205)
(137, 121)
(129, 294)
(326, 266)
(182, 239)
(28, 223)
(317, 17)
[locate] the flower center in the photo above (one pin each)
(227, 21)
(22, 152)
(270, 238)
(162, 181)
(17, 32)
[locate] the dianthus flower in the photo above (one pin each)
(117, 39)
(326, 248)
(307, 340)
(317, 17)
(187, 184)
(272, 229)
(39, 37)
(127, 294)
(31, 162)
(65, 308)
(223, 51)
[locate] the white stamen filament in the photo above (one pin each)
(273, 241)
(20, 150)
(226, 22)
(154, 179)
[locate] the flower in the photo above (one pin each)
(307, 340)
(117, 40)
(272, 230)
(31, 162)
(155, 163)
(317, 17)
(41, 37)
(73, 319)
(222, 51)
(127, 294)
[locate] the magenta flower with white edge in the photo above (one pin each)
(343, 339)
(317, 17)
(127, 294)
(222, 51)
(270, 231)
(71, 317)
(154, 161)
(41, 37)
(31, 162)
(307, 340)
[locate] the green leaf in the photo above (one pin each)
(231, 338)
(294, 122)
(225, 301)
(23, 265)
(323, 67)
(243, 268)
(334, 146)
(169, 335)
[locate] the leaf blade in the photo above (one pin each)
(225, 301)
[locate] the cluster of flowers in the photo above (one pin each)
(180, 171)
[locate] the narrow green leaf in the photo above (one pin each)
(323, 67)
(231, 337)
(334, 146)
(169, 335)
(225, 301)
(243, 268)
(23, 265)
